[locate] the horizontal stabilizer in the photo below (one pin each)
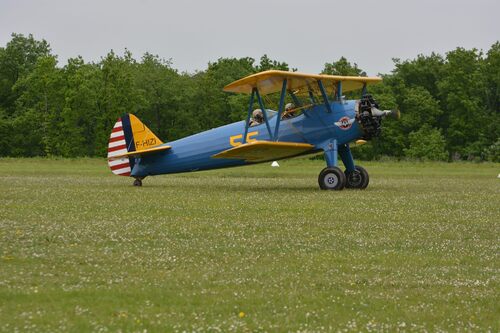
(261, 151)
(143, 152)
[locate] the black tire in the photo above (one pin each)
(331, 179)
(137, 182)
(358, 178)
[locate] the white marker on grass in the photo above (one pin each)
(275, 164)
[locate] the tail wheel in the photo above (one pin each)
(138, 182)
(332, 179)
(357, 179)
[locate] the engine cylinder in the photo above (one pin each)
(370, 123)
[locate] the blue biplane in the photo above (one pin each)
(316, 119)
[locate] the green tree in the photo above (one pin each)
(491, 73)
(267, 64)
(215, 107)
(6, 133)
(427, 144)
(69, 111)
(17, 60)
(118, 94)
(342, 67)
(492, 153)
(38, 109)
(159, 108)
(462, 90)
(80, 113)
(424, 72)
(419, 107)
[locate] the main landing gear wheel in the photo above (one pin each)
(138, 182)
(357, 179)
(331, 179)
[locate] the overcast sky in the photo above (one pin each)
(305, 33)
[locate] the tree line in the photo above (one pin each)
(449, 104)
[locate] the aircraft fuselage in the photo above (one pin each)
(315, 126)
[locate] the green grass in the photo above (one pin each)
(248, 249)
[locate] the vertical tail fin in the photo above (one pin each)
(128, 135)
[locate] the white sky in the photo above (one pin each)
(305, 34)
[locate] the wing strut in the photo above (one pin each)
(273, 136)
(339, 90)
(264, 112)
(247, 123)
(280, 109)
(325, 97)
(364, 91)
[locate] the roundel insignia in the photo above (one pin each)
(344, 123)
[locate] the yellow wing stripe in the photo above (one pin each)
(261, 151)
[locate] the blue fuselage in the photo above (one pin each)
(315, 126)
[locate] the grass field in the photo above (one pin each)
(248, 249)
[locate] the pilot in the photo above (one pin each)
(257, 117)
(287, 113)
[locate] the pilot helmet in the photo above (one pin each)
(289, 106)
(257, 114)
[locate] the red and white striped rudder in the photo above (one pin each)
(118, 146)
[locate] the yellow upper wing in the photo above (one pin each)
(260, 151)
(271, 81)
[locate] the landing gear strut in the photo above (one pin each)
(138, 182)
(332, 178)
